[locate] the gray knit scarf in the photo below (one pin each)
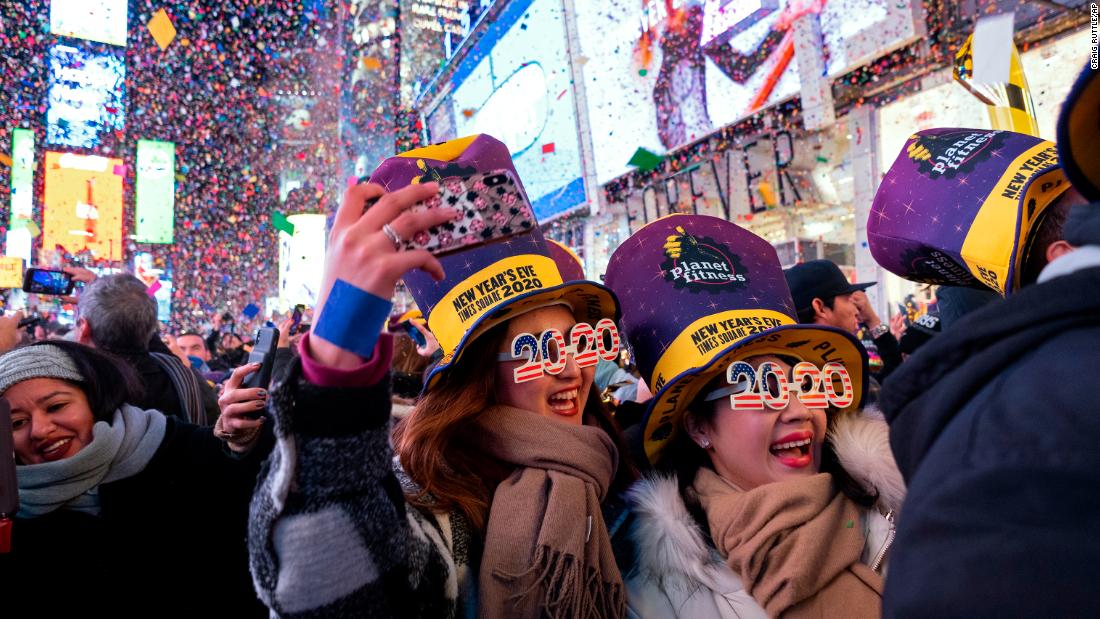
(117, 451)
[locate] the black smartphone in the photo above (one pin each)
(303, 328)
(9, 489)
(48, 281)
(267, 339)
(296, 318)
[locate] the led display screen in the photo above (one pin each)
(660, 80)
(85, 98)
(22, 194)
(95, 20)
(302, 260)
(432, 31)
(515, 85)
(155, 189)
(158, 279)
(83, 205)
(11, 272)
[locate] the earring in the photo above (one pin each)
(705, 443)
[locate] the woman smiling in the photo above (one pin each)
(494, 504)
(110, 494)
(778, 494)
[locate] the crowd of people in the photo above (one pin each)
(712, 441)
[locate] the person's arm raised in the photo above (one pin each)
(330, 533)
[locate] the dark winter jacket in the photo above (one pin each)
(994, 426)
(169, 541)
(330, 533)
(160, 394)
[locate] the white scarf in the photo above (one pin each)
(117, 451)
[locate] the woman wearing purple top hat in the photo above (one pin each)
(776, 493)
(491, 500)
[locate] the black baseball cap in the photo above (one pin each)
(818, 279)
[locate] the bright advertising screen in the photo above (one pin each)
(158, 279)
(95, 20)
(515, 85)
(155, 191)
(83, 205)
(86, 96)
(302, 260)
(19, 235)
(432, 31)
(661, 80)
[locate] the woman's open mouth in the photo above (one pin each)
(564, 402)
(55, 450)
(794, 450)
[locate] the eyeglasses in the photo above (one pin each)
(549, 354)
(767, 386)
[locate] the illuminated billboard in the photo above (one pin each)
(431, 32)
(83, 205)
(95, 20)
(158, 279)
(302, 260)
(85, 98)
(22, 194)
(660, 74)
(515, 85)
(155, 188)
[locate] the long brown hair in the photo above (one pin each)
(450, 473)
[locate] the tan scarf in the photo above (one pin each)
(796, 545)
(547, 551)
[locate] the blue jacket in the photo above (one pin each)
(995, 428)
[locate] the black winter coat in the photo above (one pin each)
(994, 425)
(169, 541)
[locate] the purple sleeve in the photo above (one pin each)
(369, 373)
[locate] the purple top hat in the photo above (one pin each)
(699, 293)
(487, 284)
(958, 205)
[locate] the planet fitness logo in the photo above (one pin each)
(931, 266)
(945, 155)
(702, 264)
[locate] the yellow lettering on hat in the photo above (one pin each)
(485, 291)
(992, 240)
(703, 339)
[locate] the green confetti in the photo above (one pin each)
(645, 160)
(821, 159)
(849, 524)
(281, 223)
(642, 72)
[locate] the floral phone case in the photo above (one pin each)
(493, 207)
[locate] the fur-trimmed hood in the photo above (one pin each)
(672, 550)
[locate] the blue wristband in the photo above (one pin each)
(352, 318)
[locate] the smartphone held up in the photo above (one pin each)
(492, 206)
(48, 282)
